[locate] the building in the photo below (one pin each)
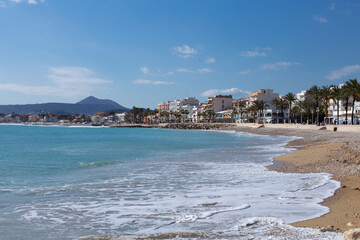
(164, 107)
(266, 95)
(218, 103)
(224, 116)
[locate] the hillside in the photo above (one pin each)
(89, 105)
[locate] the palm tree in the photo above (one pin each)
(290, 98)
(325, 94)
(346, 95)
(336, 96)
(176, 116)
(275, 103)
(259, 107)
(315, 93)
(302, 107)
(354, 88)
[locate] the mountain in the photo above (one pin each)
(89, 105)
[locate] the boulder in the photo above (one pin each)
(352, 234)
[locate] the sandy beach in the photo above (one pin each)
(337, 153)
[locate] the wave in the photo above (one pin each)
(98, 164)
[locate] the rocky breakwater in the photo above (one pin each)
(198, 126)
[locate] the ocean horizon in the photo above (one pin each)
(73, 182)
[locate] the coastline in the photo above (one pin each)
(336, 153)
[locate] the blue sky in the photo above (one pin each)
(142, 52)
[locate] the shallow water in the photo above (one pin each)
(66, 183)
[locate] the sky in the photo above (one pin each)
(142, 52)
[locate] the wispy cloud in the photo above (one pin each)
(205, 70)
(232, 91)
(150, 82)
(320, 19)
(31, 2)
(332, 7)
(145, 70)
(343, 72)
(184, 51)
(66, 82)
(184, 70)
(210, 60)
(2, 4)
(262, 52)
(278, 65)
(245, 72)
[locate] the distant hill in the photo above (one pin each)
(89, 105)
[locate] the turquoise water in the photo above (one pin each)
(71, 182)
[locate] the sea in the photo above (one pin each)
(60, 182)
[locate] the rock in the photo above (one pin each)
(349, 224)
(355, 188)
(352, 234)
(343, 186)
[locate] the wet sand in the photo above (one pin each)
(337, 153)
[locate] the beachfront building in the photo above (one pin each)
(240, 105)
(98, 117)
(267, 96)
(184, 106)
(334, 111)
(218, 103)
(163, 107)
(224, 116)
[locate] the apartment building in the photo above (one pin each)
(218, 103)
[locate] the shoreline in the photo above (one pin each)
(335, 153)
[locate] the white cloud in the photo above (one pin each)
(256, 53)
(278, 65)
(185, 70)
(158, 73)
(343, 72)
(144, 69)
(66, 82)
(31, 2)
(332, 7)
(149, 82)
(245, 72)
(232, 91)
(184, 51)
(210, 60)
(320, 19)
(204, 70)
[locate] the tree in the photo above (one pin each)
(301, 105)
(315, 94)
(354, 88)
(336, 96)
(346, 93)
(290, 98)
(325, 94)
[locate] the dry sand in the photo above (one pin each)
(337, 153)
